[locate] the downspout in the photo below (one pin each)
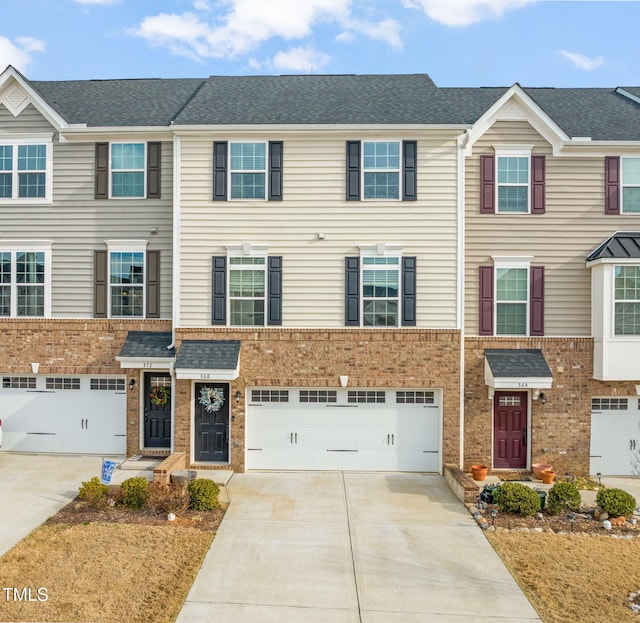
(175, 288)
(462, 142)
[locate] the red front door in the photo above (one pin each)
(510, 430)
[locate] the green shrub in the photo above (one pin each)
(561, 496)
(93, 492)
(203, 494)
(513, 497)
(616, 502)
(135, 492)
(168, 497)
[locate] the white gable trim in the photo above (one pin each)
(516, 104)
(16, 93)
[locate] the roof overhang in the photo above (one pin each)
(623, 247)
(147, 349)
(507, 368)
(216, 360)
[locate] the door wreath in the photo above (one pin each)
(211, 399)
(159, 396)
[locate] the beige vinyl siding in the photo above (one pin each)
(78, 225)
(314, 202)
(573, 225)
(29, 120)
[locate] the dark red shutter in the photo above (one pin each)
(486, 300)
(102, 171)
(153, 170)
(536, 301)
(612, 185)
(487, 185)
(537, 184)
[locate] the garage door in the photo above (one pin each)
(615, 436)
(79, 414)
(370, 430)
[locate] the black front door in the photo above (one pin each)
(212, 422)
(157, 410)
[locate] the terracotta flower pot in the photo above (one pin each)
(547, 476)
(537, 469)
(479, 472)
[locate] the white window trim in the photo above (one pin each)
(511, 262)
(127, 246)
(144, 170)
(612, 303)
(380, 250)
(623, 185)
(265, 170)
(42, 246)
(398, 171)
(29, 139)
(512, 151)
(246, 250)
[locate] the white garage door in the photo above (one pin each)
(79, 414)
(615, 436)
(308, 429)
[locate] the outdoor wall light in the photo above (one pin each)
(238, 396)
(543, 398)
(132, 383)
(599, 476)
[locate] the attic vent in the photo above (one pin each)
(512, 113)
(16, 100)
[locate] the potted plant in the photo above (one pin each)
(547, 476)
(479, 472)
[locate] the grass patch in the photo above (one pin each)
(575, 578)
(104, 572)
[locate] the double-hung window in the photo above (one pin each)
(630, 183)
(247, 291)
(381, 169)
(380, 291)
(512, 300)
(127, 280)
(128, 169)
(25, 280)
(248, 170)
(513, 183)
(627, 300)
(25, 170)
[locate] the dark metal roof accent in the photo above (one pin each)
(208, 355)
(517, 362)
(147, 345)
(621, 246)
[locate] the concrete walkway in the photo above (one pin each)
(350, 548)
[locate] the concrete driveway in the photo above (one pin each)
(350, 548)
(35, 486)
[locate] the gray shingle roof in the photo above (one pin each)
(147, 345)
(516, 362)
(208, 354)
(318, 99)
(149, 102)
(622, 245)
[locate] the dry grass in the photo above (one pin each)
(575, 578)
(103, 572)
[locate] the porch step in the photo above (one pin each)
(141, 462)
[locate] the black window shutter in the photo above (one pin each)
(487, 185)
(275, 171)
(536, 301)
(353, 170)
(220, 171)
(274, 285)
(153, 284)
(408, 291)
(352, 292)
(219, 290)
(409, 170)
(612, 185)
(537, 184)
(153, 170)
(102, 171)
(486, 300)
(100, 284)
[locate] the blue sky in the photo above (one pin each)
(567, 43)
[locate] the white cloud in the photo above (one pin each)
(20, 53)
(305, 60)
(583, 62)
(464, 12)
(249, 23)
